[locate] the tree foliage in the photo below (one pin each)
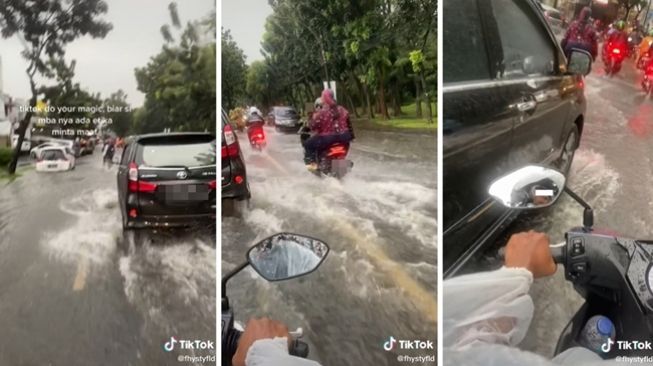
(179, 82)
(233, 71)
(363, 45)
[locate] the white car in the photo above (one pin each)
(35, 152)
(55, 159)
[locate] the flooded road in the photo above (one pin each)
(611, 171)
(380, 223)
(74, 291)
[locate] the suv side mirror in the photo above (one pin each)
(580, 62)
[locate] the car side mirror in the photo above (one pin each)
(580, 62)
(530, 187)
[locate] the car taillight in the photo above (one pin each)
(616, 51)
(213, 184)
(138, 186)
(133, 172)
(239, 179)
(231, 148)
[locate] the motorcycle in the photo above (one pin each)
(278, 258)
(642, 62)
(613, 56)
(256, 135)
(633, 43)
(332, 161)
(647, 82)
(613, 274)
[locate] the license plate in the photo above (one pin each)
(50, 166)
(187, 193)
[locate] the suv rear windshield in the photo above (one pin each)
(173, 153)
(51, 155)
(285, 112)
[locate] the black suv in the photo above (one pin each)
(510, 100)
(234, 174)
(167, 180)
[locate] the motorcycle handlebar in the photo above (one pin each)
(558, 252)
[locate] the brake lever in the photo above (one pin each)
(297, 333)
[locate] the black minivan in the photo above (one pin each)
(510, 99)
(168, 180)
(235, 186)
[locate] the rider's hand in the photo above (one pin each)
(258, 329)
(530, 250)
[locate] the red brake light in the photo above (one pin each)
(135, 185)
(616, 51)
(338, 150)
(239, 179)
(133, 213)
(213, 184)
(231, 148)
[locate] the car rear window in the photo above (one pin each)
(51, 155)
(286, 112)
(187, 153)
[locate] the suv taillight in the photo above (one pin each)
(231, 148)
(138, 186)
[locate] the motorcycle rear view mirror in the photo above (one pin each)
(580, 62)
(286, 255)
(530, 187)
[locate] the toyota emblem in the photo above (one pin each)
(182, 175)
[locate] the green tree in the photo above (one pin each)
(233, 71)
(629, 5)
(179, 82)
(45, 27)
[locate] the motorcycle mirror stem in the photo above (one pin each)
(225, 279)
(588, 213)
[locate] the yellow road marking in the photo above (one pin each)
(80, 277)
(424, 300)
(274, 162)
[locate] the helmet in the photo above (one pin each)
(318, 103)
(620, 25)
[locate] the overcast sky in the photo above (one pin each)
(106, 65)
(246, 21)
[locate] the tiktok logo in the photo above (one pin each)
(169, 346)
(607, 346)
(390, 344)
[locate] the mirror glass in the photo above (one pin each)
(529, 187)
(284, 256)
(580, 62)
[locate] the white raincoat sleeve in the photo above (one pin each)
(487, 314)
(274, 352)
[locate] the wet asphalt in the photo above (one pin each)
(379, 280)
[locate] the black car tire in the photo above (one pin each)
(568, 151)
